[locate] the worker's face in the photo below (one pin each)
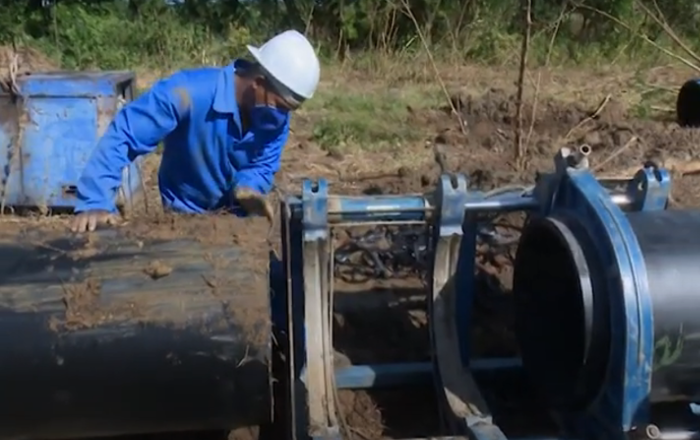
(268, 111)
(261, 94)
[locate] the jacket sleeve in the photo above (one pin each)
(136, 130)
(259, 173)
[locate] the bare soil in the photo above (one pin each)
(484, 148)
(481, 147)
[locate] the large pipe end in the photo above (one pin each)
(688, 104)
(556, 323)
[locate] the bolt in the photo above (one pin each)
(647, 432)
(652, 432)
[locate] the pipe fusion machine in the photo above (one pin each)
(607, 319)
(605, 292)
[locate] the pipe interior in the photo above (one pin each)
(553, 309)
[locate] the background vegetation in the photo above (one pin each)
(384, 59)
(165, 34)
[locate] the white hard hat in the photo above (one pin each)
(291, 61)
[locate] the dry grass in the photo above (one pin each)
(364, 118)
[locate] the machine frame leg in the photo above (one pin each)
(317, 419)
(467, 412)
(304, 405)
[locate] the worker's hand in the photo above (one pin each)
(87, 221)
(254, 203)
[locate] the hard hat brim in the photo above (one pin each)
(257, 55)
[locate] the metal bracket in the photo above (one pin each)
(650, 189)
(566, 161)
(468, 413)
(622, 403)
(318, 282)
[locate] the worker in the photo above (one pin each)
(223, 132)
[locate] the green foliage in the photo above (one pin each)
(376, 119)
(127, 33)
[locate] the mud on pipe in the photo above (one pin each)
(122, 336)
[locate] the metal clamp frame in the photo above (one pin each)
(650, 188)
(306, 330)
(622, 403)
(305, 403)
(468, 413)
(318, 285)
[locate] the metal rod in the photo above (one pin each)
(396, 209)
(621, 199)
(411, 373)
(379, 208)
(360, 377)
(508, 202)
(376, 223)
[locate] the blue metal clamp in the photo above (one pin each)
(574, 193)
(468, 413)
(650, 189)
(318, 290)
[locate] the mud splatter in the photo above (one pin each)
(84, 311)
(157, 269)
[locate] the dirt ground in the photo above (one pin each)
(479, 142)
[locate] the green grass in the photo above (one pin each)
(344, 118)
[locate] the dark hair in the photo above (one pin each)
(253, 70)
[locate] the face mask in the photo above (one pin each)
(266, 118)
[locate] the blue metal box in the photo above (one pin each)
(48, 133)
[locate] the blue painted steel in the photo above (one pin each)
(74, 84)
(572, 193)
(464, 407)
(403, 208)
(411, 373)
(650, 189)
(321, 417)
(419, 208)
(359, 377)
(507, 202)
(451, 197)
(465, 283)
(48, 134)
(314, 203)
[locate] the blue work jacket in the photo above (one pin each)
(206, 153)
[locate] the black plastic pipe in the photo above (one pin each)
(563, 320)
(124, 337)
